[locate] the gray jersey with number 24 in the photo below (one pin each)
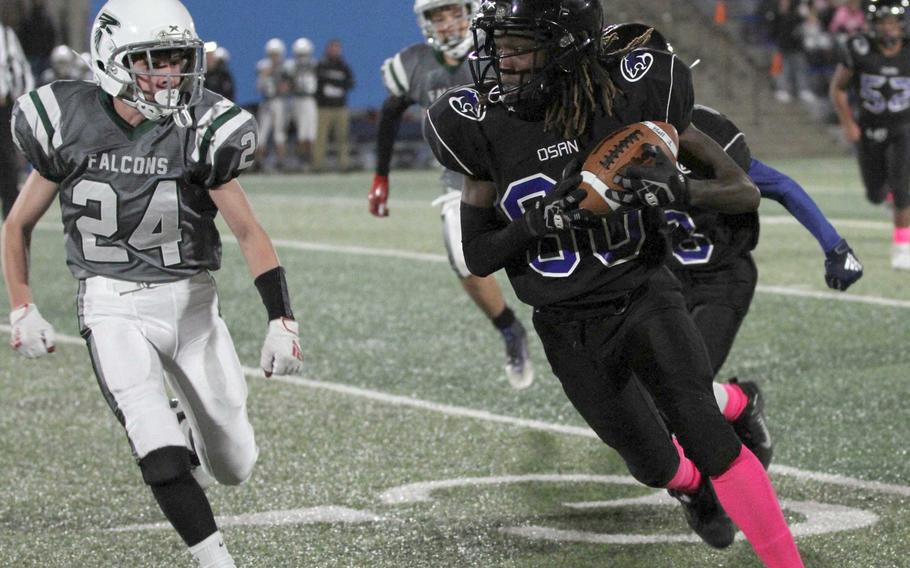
(134, 200)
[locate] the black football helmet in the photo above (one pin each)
(877, 10)
(626, 32)
(562, 32)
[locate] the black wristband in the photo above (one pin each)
(273, 289)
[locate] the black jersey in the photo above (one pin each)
(703, 239)
(882, 83)
(487, 142)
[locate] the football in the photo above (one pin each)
(620, 149)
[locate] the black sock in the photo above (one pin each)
(505, 319)
(185, 505)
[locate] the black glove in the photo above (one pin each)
(657, 185)
(559, 211)
(842, 268)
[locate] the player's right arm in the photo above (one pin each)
(31, 335)
(396, 77)
(489, 243)
(837, 91)
(393, 109)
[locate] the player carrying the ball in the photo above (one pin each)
(605, 306)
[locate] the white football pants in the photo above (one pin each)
(273, 118)
(305, 117)
(143, 336)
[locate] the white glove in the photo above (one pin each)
(31, 336)
(281, 353)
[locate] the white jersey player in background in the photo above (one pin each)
(274, 86)
(141, 162)
(301, 71)
(418, 74)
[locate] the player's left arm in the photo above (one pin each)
(842, 267)
(281, 354)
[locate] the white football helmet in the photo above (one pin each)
(302, 48)
(275, 47)
(456, 47)
(222, 55)
(62, 60)
(126, 32)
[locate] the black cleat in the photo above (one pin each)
(752, 426)
(705, 515)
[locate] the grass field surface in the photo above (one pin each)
(402, 444)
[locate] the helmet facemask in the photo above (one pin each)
(146, 64)
(552, 50)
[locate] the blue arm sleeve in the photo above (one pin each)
(782, 188)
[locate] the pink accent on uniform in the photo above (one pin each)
(736, 402)
(687, 478)
(901, 235)
(749, 499)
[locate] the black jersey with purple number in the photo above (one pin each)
(487, 142)
(702, 239)
(882, 83)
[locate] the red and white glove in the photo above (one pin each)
(31, 336)
(281, 353)
(379, 195)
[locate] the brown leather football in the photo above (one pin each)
(618, 150)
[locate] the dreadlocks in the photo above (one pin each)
(588, 86)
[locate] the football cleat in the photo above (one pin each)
(519, 370)
(752, 426)
(900, 256)
(705, 515)
(202, 477)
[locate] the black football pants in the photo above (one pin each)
(597, 357)
(719, 301)
(9, 169)
(884, 162)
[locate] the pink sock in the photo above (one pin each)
(687, 478)
(748, 497)
(901, 235)
(736, 402)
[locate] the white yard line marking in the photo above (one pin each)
(836, 296)
(530, 424)
(439, 258)
(851, 223)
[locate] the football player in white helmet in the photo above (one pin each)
(63, 66)
(302, 72)
(418, 74)
(141, 163)
(122, 53)
(273, 86)
(446, 24)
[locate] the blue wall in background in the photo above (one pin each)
(370, 31)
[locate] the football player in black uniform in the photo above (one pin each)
(712, 254)
(876, 66)
(605, 306)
